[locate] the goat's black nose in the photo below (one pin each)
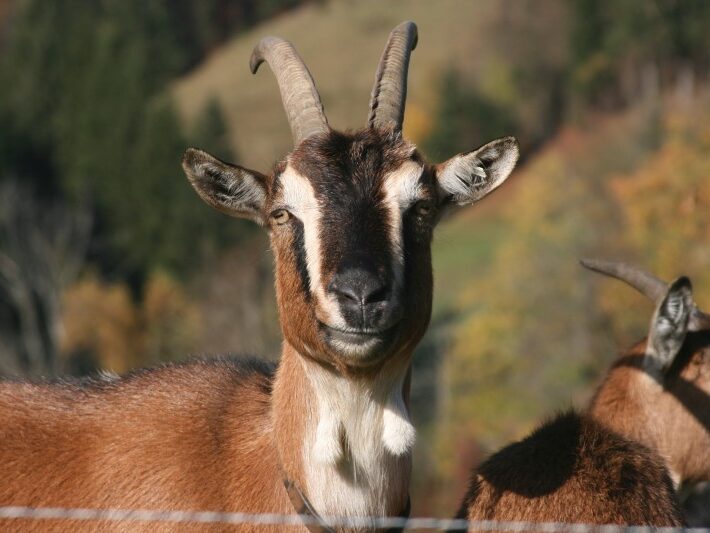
(364, 290)
(364, 297)
(358, 287)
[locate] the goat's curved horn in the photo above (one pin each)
(699, 321)
(298, 91)
(389, 93)
(642, 281)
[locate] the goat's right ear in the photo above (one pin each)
(231, 189)
(466, 178)
(669, 325)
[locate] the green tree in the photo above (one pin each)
(211, 131)
(465, 119)
(81, 99)
(622, 49)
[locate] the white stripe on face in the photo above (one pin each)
(402, 189)
(299, 198)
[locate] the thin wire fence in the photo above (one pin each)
(268, 519)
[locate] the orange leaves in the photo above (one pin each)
(103, 322)
(419, 123)
(171, 321)
(100, 318)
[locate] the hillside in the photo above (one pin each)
(341, 43)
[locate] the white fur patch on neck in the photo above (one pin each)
(358, 455)
(398, 433)
(328, 447)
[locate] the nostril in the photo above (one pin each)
(346, 291)
(376, 294)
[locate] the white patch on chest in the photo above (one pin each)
(359, 457)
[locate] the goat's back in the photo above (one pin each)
(573, 470)
(192, 436)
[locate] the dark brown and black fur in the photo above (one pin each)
(346, 171)
(573, 470)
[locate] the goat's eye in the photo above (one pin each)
(280, 216)
(423, 208)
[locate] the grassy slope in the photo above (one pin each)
(341, 43)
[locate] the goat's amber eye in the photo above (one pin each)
(280, 216)
(423, 208)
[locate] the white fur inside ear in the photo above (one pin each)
(669, 325)
(398, 433)
(236, 187)
(461, 176)
(470, 177)
(328, 447)
(231, 189)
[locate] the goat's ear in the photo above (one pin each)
(233, 190)
(466, 178)
(669, 325)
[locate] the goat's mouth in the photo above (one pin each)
(361, 346)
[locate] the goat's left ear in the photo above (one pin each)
(669, 325)
(466, 178)
(235, 191)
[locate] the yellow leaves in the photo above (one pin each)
(171, 321)
(664, 201)
(103, 321)
(497, 81)
(100, 318)
(418, 123)
(664, 196)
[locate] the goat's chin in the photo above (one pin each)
(360, 350)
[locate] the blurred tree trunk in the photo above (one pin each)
(43, 246)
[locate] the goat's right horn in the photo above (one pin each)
(389, 93)
(647, 284)
(300, 98)
(699, 321)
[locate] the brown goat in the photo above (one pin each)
(646, 430)
(350, 217)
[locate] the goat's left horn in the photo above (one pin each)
(300, 98)
(389, 93)
(647, 284)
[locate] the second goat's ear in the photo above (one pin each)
(231, 189)
(669, 325)
(466, 178)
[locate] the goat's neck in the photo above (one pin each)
(346, 442)
(633, 403)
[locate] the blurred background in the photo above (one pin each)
(108, 260)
